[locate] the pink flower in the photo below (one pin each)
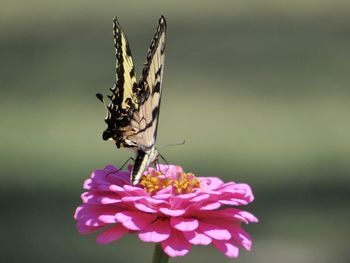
(169, 207)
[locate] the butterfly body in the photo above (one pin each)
(133, 111)
(143, 159)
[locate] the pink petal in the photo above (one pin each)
(245, 217)
(184, 197)
(94, 222)
(78, 212)
(134, 220)
(88, 214)
(234, 201)
(132, 198)
(154, 201)
(83, 229)
(162, 196)
(156, 231)
(98, 176)
(237, 233)
(135, 191)
(144, 208)
(214, 231)
(169, 170)
(197, 238)
(181, 201)
(229, 214)
(117, 178)
(95, 198)
(111, 168)
(211, 206)
(117, 189)
(171, 212)
(249, 217)
(248, 191)
(93, 184)
(238, 191)
(106, 177)
(200, 197)
(241, 237)
(111, 234)
(176, 244)
(184, 224)
(108, 219)
(214, 193)
(210, 183)
(227, 248)
(165, 191)
(236, 187)
(87, 184)
(110, 200)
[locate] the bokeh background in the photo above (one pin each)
(258, 89)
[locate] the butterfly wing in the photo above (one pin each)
(132, 114)
(145, 118)
(123, 99)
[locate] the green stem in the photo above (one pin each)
(158, 255)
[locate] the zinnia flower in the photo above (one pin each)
(169, 206)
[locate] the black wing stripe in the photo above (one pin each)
(123, 62)
(156, 88)
(155, 112)
(117, 97)
(154, 44)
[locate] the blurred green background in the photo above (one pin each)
(258, 89)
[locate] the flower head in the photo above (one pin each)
(168, 206)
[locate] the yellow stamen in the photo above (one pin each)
(184, 183)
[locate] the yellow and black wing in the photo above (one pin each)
(150, 87)
(132, 114)
(124, 100)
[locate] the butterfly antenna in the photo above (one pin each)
(173, 144)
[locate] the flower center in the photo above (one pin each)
(185, 183)
(181, 183)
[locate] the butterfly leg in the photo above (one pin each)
(130, 158)
(156, 164)
(162, 157)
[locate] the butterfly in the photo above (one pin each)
(133, 111)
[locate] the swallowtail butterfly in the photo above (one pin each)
(133, 111)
